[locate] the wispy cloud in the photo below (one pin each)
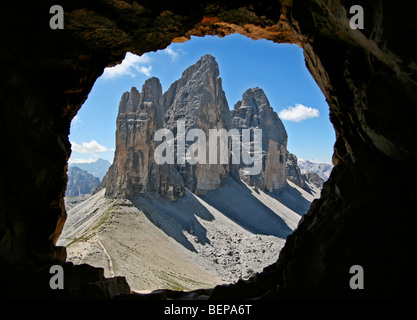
(88, 147)
(146, 70)
(174, 54)
(298, 113)
(131, 65)
(78, 160)
(76, 121)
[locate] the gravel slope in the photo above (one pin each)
(195, 242)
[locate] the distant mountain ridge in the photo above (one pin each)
(323, 169)
(80, 182)
(97, 168)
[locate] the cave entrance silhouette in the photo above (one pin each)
(237, 253)
(362, 73)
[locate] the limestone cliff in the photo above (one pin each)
(293, 171)
(198, 100)
(254, 111)
(364, 75)
(134, 170)
(195, 101)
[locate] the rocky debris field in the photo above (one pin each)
(195, 242)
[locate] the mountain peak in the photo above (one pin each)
(208, 58)
(151, 90)
(197, 100)
(254, 111)
(129, 101)
(197, 94)
(255, 97)
(205, 63)
(97, 168)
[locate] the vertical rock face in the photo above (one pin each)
(364, 75)
(254, 111)
(134, 170)
(293, 171)
(198, 100)
(195, 101)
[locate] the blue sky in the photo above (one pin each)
(279, 69)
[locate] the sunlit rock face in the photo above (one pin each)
(367, 76)
(255, 112)
(293, 171)
(134, 170)
(197, 99)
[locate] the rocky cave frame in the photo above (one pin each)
(363, 216)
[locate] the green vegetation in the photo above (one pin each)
(100, 224)
(175, 281)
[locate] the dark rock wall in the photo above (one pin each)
(369, 79)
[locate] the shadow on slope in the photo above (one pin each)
(236, 201)
(292, 198)
(175, 218)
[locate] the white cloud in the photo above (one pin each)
(146, 70)
(131, 65)
(298, 113)
(171, 52)
(88, 147)
(78, 160)
(76, 120)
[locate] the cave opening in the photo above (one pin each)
(95, 224)
(47, 74)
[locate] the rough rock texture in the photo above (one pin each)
(313, 178)
(81, 282)
(367, 76)
(80, 182)
(195, 101)
(293, 171)
(97, 168)
(254, 111)
(198, 99)
(134, 170)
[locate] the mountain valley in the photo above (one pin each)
(185, 226)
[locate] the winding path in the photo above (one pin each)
(109, 260)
